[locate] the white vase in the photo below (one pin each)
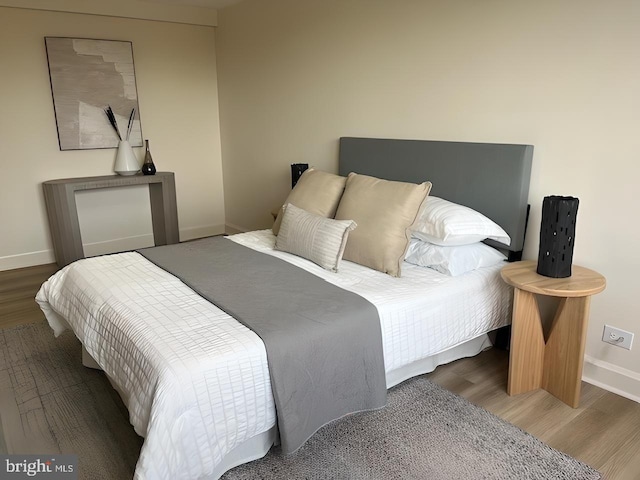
(126, 161)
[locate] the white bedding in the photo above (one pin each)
(196, 381)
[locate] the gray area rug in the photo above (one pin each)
(50, 403)
(425, 432)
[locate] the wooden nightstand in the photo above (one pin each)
(554, 364)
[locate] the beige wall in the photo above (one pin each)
(564, 76)
(177, 90)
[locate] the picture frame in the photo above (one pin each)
(87, 76)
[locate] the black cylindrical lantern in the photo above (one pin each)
(557, 236)
(297, 169)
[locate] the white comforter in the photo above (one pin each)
(196, 381)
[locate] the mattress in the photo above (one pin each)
(196, 381)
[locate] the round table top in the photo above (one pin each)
(581, 283)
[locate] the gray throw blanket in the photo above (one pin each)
(324, 345)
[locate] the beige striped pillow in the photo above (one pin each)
(314, 237)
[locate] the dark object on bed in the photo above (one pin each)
(297, 169)
(491, 178)
(557, 236)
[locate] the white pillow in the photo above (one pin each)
(448, 224)
(453, 261)
(314, 237)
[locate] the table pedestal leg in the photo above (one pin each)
(564, 353)
(555, 365)
(526, 357)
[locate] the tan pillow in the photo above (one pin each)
(384, 211)
(316, 238)
(316, 192)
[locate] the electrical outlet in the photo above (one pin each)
(617, 337)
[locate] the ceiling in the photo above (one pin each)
(199, 3)
(192, 12)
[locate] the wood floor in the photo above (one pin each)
(603, 432)
(17, 291)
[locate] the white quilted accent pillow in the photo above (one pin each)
(446, 223)
(314, 237)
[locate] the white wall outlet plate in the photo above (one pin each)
(617, 337)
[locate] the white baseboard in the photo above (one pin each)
(30, 259)
(43, 257)
(201, 232)
(117, 245)
(231, 229)
(612, 378)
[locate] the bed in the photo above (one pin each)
(196, 381)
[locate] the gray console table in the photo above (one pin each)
(60, 199)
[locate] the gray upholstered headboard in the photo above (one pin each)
(488, 177)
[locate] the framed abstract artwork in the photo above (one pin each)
(87, 76)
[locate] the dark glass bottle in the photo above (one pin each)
(148, 168)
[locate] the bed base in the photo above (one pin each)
(259, 445)
(470, 348)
